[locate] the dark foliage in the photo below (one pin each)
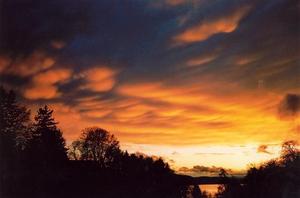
(98, 145)
(34, 161)
(14, 130)
(47, 146)
(278, 178)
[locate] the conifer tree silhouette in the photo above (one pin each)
(14, 121)
(47, 145)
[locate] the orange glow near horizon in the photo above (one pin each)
(200, 83)
(186, 126)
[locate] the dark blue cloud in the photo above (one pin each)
(30, 24)
(135, 38)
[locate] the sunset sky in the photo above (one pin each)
(201, 83)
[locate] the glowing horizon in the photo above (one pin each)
(199, 83)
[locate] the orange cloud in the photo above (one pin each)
(99, 79)
(4, 63)
(200, 170)
(97, 113)
(94, 107)
(41, 92)
(52, 76)
(157, 91)
(263, 149)
(184, 117)
(206, 29)
(203, 59)
(58, 44)
(274, 68)
(43, 84)
(249, 116)
(134, 111)
(36, 62)
(245, 60)
(70, 121)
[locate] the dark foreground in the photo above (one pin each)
(86, 179)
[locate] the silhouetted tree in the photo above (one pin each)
(277, 178)
(14, 133)
(75, 149)
(99, 145)
(205, 194)
(14, 122)
(47, 144)
(196, 193)
(98, 161)
(289, 151)
(230, 187)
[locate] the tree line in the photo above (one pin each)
(276, 178)
(35, 161)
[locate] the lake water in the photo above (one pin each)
(209, 188)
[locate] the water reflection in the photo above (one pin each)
(209, 188)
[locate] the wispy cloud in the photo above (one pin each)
(263, 149)
(199, 170)
(112, 66)
(202, 59)
(208, 28)
(36, 62)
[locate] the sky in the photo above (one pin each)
(204, 84)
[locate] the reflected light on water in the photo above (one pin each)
(209, 188)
